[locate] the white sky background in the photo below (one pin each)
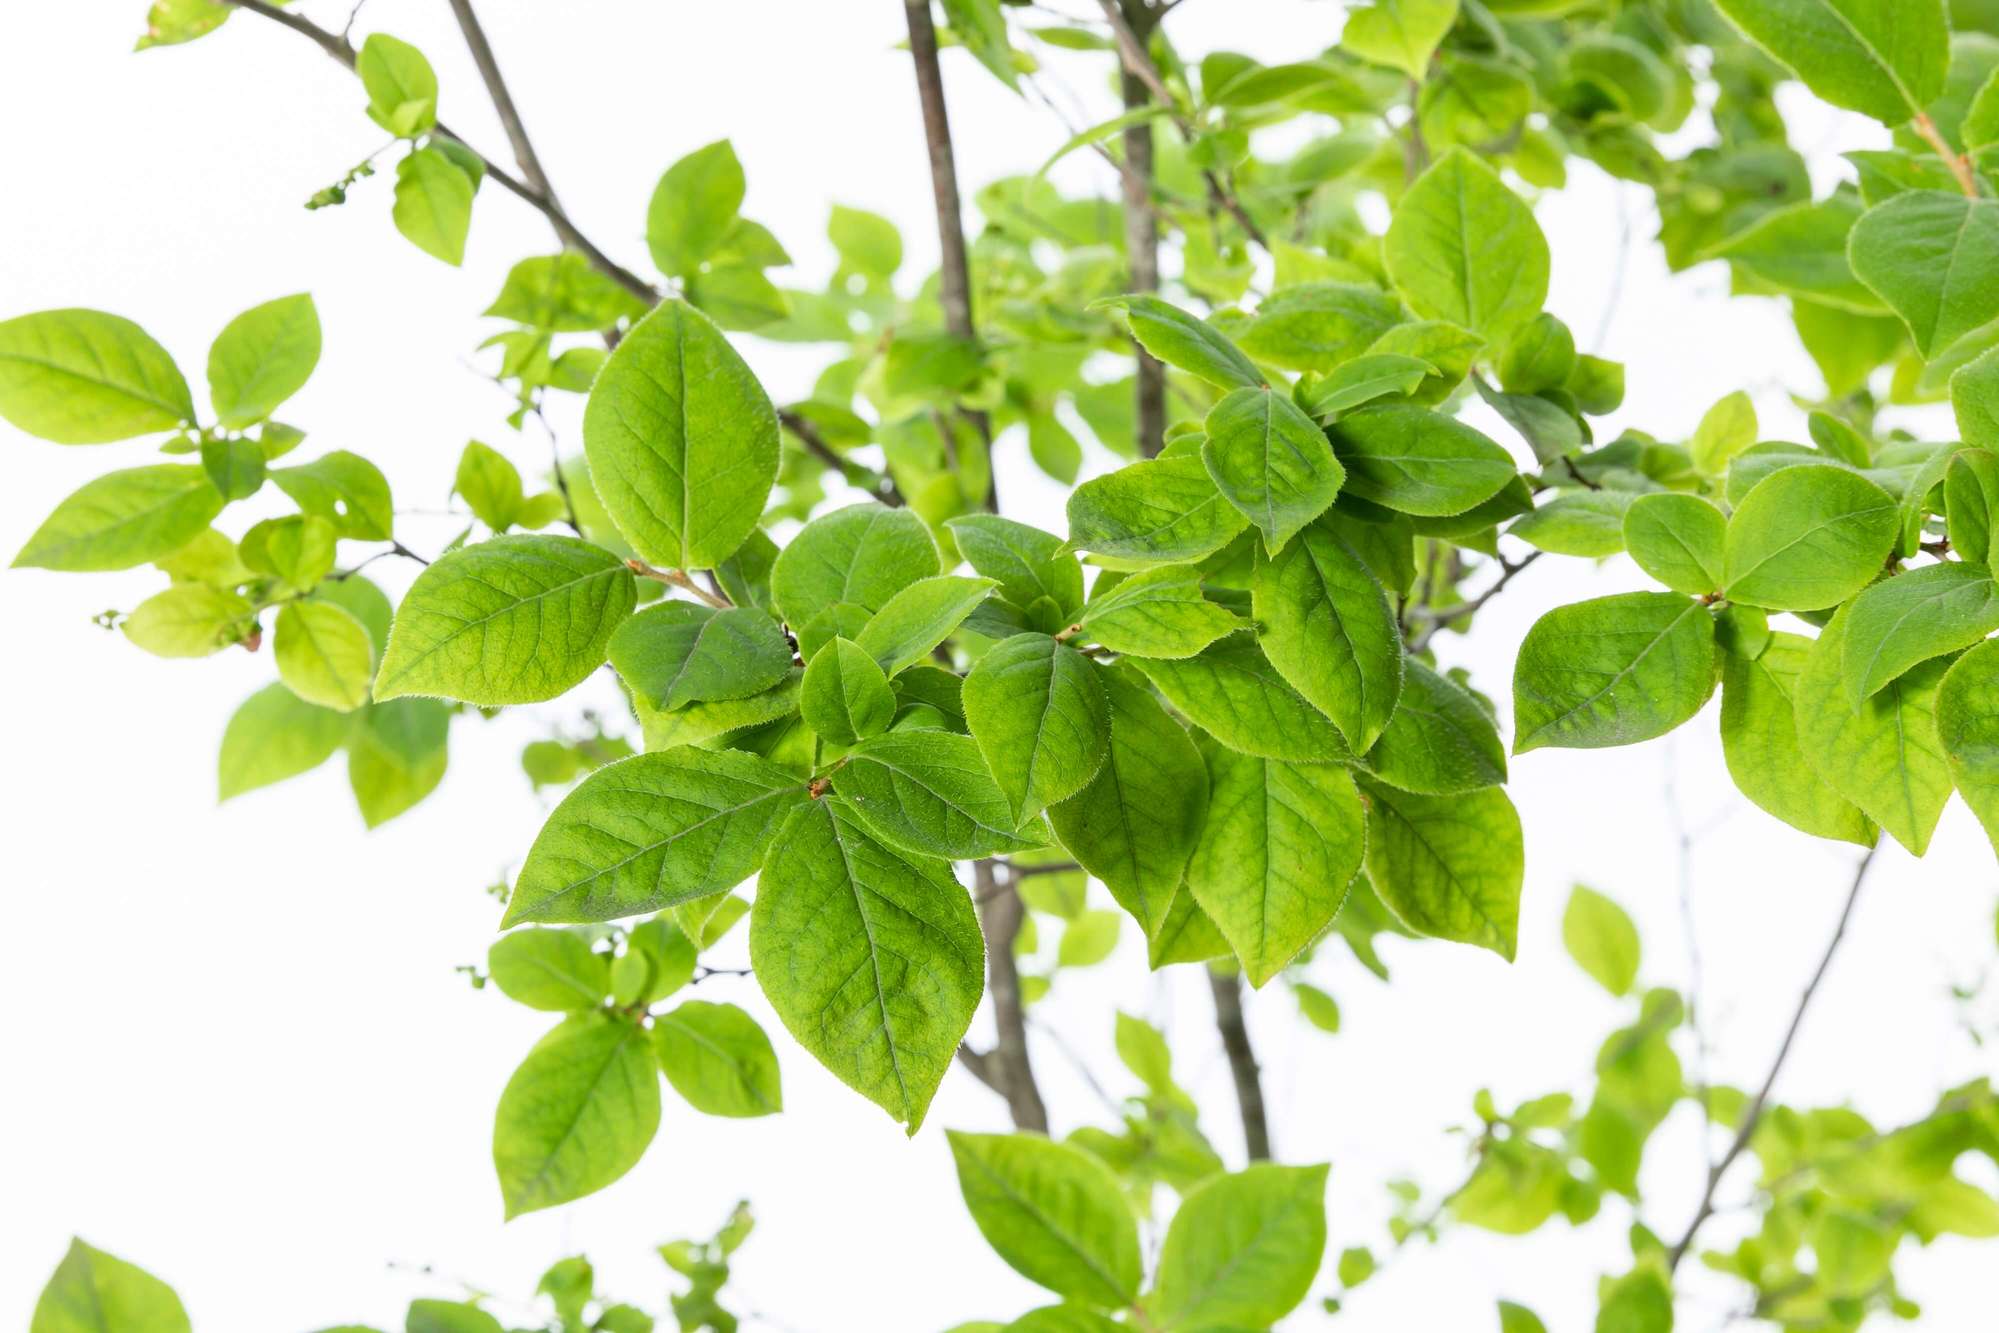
(234, 1049)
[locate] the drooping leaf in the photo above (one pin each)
(1242, 1250)
(1416, 461)
(1055, 1214)
(1806, 538)
(396, 755)
(433, 208)
(1231, 691)
(1439, 741)
(1759, 741)
(650, 831)
(682, 441)
(1326, 625)
(1612, 671)
(1933, 256)
(1599, 935)
(1160, 510)
(577, 1114)
(718, 1059)
(872, 958)
(677, 653)
(1465, 249)
(262, 357)
(1179, 339)
(324, 654)
(125, 518)
(512, 620)
(275, 735)
(1448, 866)
(85, 377)
(401, 86)
(555, 970)
(1041, 718)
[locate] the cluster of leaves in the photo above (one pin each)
(1217, 692)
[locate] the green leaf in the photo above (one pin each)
(920, 617)
(85, 377)
(125, 518)
(1805, 538)
(344, 489)
(430, 1316)
(563, 293)
(650, 831)
(1179, 339)
(578, 1113)
(1678, 539)
(272, 736)
(682, 442)
(677, 653)
(234, 467)
(1326, 625)
(1280, 846)
(1317, 326)
(1967, 720)
(1242, 1250)
(262, 357)
(928, 793)
(698, 723)
(1448, 866)
(189, 620)
(396, 756)
(1971, 499)
(1934, 258)
(1088, 938)
(1974, 398)
(868, 242)
(402, 88)
(324, 654)
(171, 22)
(1271, 461)
(511, 620)
(874, 960)
(1041, 718)
(433, 208)
(1759, 741)
(981, 26)
(1054, 1213)
(1519, 1319)
(489, 485)
(1163, 509)
(94, 1292)
(1885, 58)
(1884, 755)
(1800, 250)
(1908, 619)
(1157, 613)
(1400, 33)
(1413, 460)
(1612, 671)
(858, 556)
(556, 970)
(693, 207)
(1322, 1011)
(1439, 741)
(1135, 826)
(1231, 691)
(718, 1059)
(1600, 937)
(1586, 524)
(1465, 249)
(846, 696)
(1361, 381)
(1026, 562)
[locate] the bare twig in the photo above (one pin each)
(678, 578)
(1754, 1115)
(503, 100)
(338, 47)
(1960, 166)
(561, 478)
(878, 484)
(1226, 985)
(1508, 569)
(1006, 1068)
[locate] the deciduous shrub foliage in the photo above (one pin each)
(1212, 690)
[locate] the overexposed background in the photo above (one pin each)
(234, 1047)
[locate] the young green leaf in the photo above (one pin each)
(85, 377)
(433, 207)
(718, 1059)
(1585, 524)
(490, 485)
(401, 86)
(189, 620)
(555, 970)
(648, 832)
(344, 489)
(1135, 826)
(1967, 718)
(1416, 461)
(1933, 256)
(1915, 616)
(396, 755)
(677, 653)
(1678, 539)
(873, 959)
(1160, 510)
(1400, 33)
(1361, 381)
(1448, 866)
(94, 1292)
(1974, 399)
(1231, 691)
(1806, 538)
(858, 556)
(1599, 935)
(1271, 461)
(920, 617)
(262, 357)
(1326, 625)
(1157, 613)
(125, 518)
(682, 441)
(693, 207)
(1041, 718)
(696, 724)
(1759, 741)
(1885, 58)
(1318, 326)
(1280, 846)
(324, 654)
(1055, 1214)
(1465, 249)
(845, 695)
(928, 792)
(1243, 1249)
(1612, 671)
(1026, 562)
(1971, 500)
(272, 736)
(1440, 741)
(578, 1113)
(1179, 339)
(511, 620)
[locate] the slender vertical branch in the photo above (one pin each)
(1226, 985)
(1754, 1115)
(1141, 236)
(503, 100)
(1006, 1068)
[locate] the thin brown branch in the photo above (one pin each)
(1754, 1115)
(1006, 1068)
(338, 47)
(503, 99)
(1959, 164)
(1141, 241)
(1508, 570)
(1226, 985)
(679, 578)
(878, 484)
